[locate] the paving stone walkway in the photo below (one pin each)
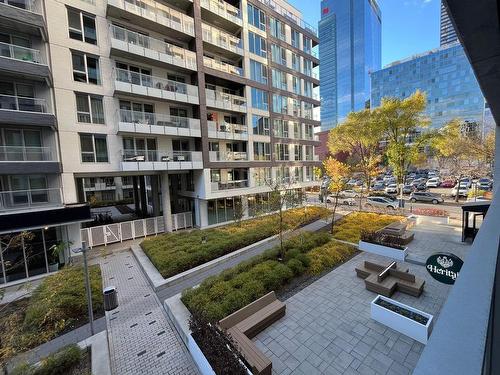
(141, 337)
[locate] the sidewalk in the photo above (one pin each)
(142, 339)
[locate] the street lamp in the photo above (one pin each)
(84, 250)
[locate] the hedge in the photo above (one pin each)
(221, 295)
(174, 253)
(57, 305)
(350, 227)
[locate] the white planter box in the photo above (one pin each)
(400, 323)
(383, 250)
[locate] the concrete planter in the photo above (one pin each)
(386, 251)
(400, 323)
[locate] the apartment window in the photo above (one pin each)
(277, 28)
(308, 89)
(295, 38)
(280, 104)
(256, 17)
(260, 99)
(215, 175)
(258, 71)
(296, 85)
(297, 152)
(309, 131)
(309, 152)
(278, 54)
(89, 109)
(262, 175)
(308, 111)
(140, 149)
(308, 67)
(295, 62)
(260, 125)
(280, 128)
(261, 151)
(85, 68)
(307, 44)
(297, 133)
(279, 79)
(281, 151)
(82, 26)
(257, 44)
(94, 148)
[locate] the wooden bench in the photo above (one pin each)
(246, 323)
(399, 229)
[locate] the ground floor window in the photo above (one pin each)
(222, 210)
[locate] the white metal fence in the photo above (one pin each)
(129, 230)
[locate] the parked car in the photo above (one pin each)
(463, 190)
(344, 201)
(448, 183)
(433, 182)
(432, 174)
(407, 189)
(418, 196)
(378, 187)
(349, 194)
(381, 202)
(421, 186)
(466, 181)
(484, 184)
(418, 181)
(391, 189)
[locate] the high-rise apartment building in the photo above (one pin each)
(195, 104)
(446, 76)
(447, 33)
(350, 33)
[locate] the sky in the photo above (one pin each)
(408, 26)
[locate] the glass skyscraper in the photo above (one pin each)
(446, 76)
(350, 49)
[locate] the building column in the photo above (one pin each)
(118, 188)
(155, 195)
(165, 201)
(244, 204)
(136, 195)
(142, 192)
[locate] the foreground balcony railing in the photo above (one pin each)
(23, 153)
(154, 48)
(224, 10)
(160, 156)
(24, 199)
(20, 53)
(146, 118)
(228, 156)
(21, 103)
(220, 99)
(222, 66)
(157, 12)
(228, 185)
(222, 39)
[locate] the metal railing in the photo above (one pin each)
(228, 185)
(222, 66)
(24, 153)
(223, 9)
(158, 13)
(187, 58)
(222, 39)
(22, 103)
(146, 118)
(20, 53)
(226, 127)
(297, 20)
(19, 199)
(22, 4)
(134, 78)
(160, 156)
(226, 98)
(228, 156)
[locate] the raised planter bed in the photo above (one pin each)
(402, 318)
(391, 252)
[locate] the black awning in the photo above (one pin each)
(18, 221)
(478, 207)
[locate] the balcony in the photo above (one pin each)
(154, 15)
(221, 100)
(31, 160)
(230, 185)
(222, 40)
(146, 160)
(226, 130)
(23, 15)
(23, 61)
(228, 156)
(150, 86)
(30, 199)
(156, 123)
(222, 66)
(150, 50)
(222, 12)
(21, 110)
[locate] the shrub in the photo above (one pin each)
(59, 363)
(328, 256)
(173, 253)
(350, 227)
(296, 266)
(383, 239)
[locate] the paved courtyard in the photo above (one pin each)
(141, 338)
(327, 328)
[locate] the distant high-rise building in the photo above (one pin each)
(447, 30)
(350, 49)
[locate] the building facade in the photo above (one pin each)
(447, 33)
(350, 33)
(446, 76)
(182, 105)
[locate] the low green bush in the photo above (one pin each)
(350, 227)
(59, 363)
(174, 253)
(221, 295)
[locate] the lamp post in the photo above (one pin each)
(84, 250)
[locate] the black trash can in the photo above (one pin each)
(110, 298)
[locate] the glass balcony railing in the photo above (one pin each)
(145, 80)
(24, 199)
(146, 118)
(222, 39)
(223, 9)
(227, 100)
(25, 153)
(20, 53)
(298, 21)
(228, 185)
(22, 103)
(228, 156)
(226, 127)
(180, 56)
(22, 4)
(160, 156)
(222, 66)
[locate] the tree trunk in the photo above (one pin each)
(458, 187)
(334, 209)
(282, 255)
